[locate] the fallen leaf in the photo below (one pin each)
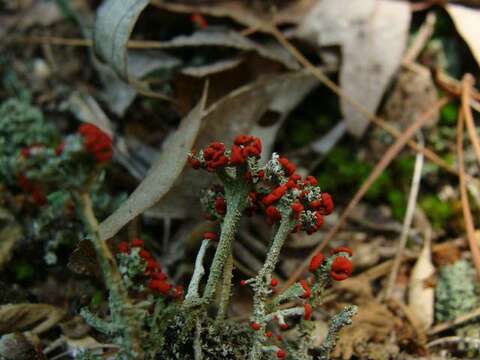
(466, 21)
(212, 68)
(236, 113)
(85, 108)
(372, 36)
(420, 295)
(36, 318)
(18, 347)
(10, 234)
(230, 38)
(162, 174)
(119, 16)
(372, 324)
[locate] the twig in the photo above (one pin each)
(455, 340)
(467, 83)
(467, 214)
(389, 155)
(412, 319)
(452, 323)
(423, 35)
(407, 222)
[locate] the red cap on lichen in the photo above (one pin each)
(210, 236)
(340, 249)
(199, 20)
(281, 354)
(220, 205)
(341, 268)
(137, 243)
(306, 289)
(311, 180)
(144, 254)
(287, 166)
(123, 247)
(255, 326)
(96, 142)
(327, 204)
(308, 311)
(268, 334)
(273, 214)
(160, 285)
(274, 282)
(316, 262)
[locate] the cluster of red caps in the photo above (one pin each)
(341, 267)
(96, 142)
(34, 189)
(215, 157)
(157, 279)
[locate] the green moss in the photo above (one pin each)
(449, 114)
(398, 203)
(438, 211)
(23, 271)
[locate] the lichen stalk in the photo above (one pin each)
(260, 284)
(335, 324)
(226, 288)
(193, 288)
(121, 308)
(236, 196)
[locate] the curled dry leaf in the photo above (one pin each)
(162, 174)
(466, 21)
(36, 318)
(10, 233)
(230, 38)
(372, 35)
(420, 294)
(112, 45)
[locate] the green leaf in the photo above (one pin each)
(162, 175)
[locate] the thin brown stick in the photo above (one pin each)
(423, 35)
(389, 155)
(467, 84)
(407, 222)
(467, 214)
(452, 323)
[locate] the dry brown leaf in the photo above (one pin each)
(162, 175)
(10, 233)
(18, 347)
(36, 318)
(230, 38)
(372, 35)
(466, 21)
(373, 323)
(420, 295)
